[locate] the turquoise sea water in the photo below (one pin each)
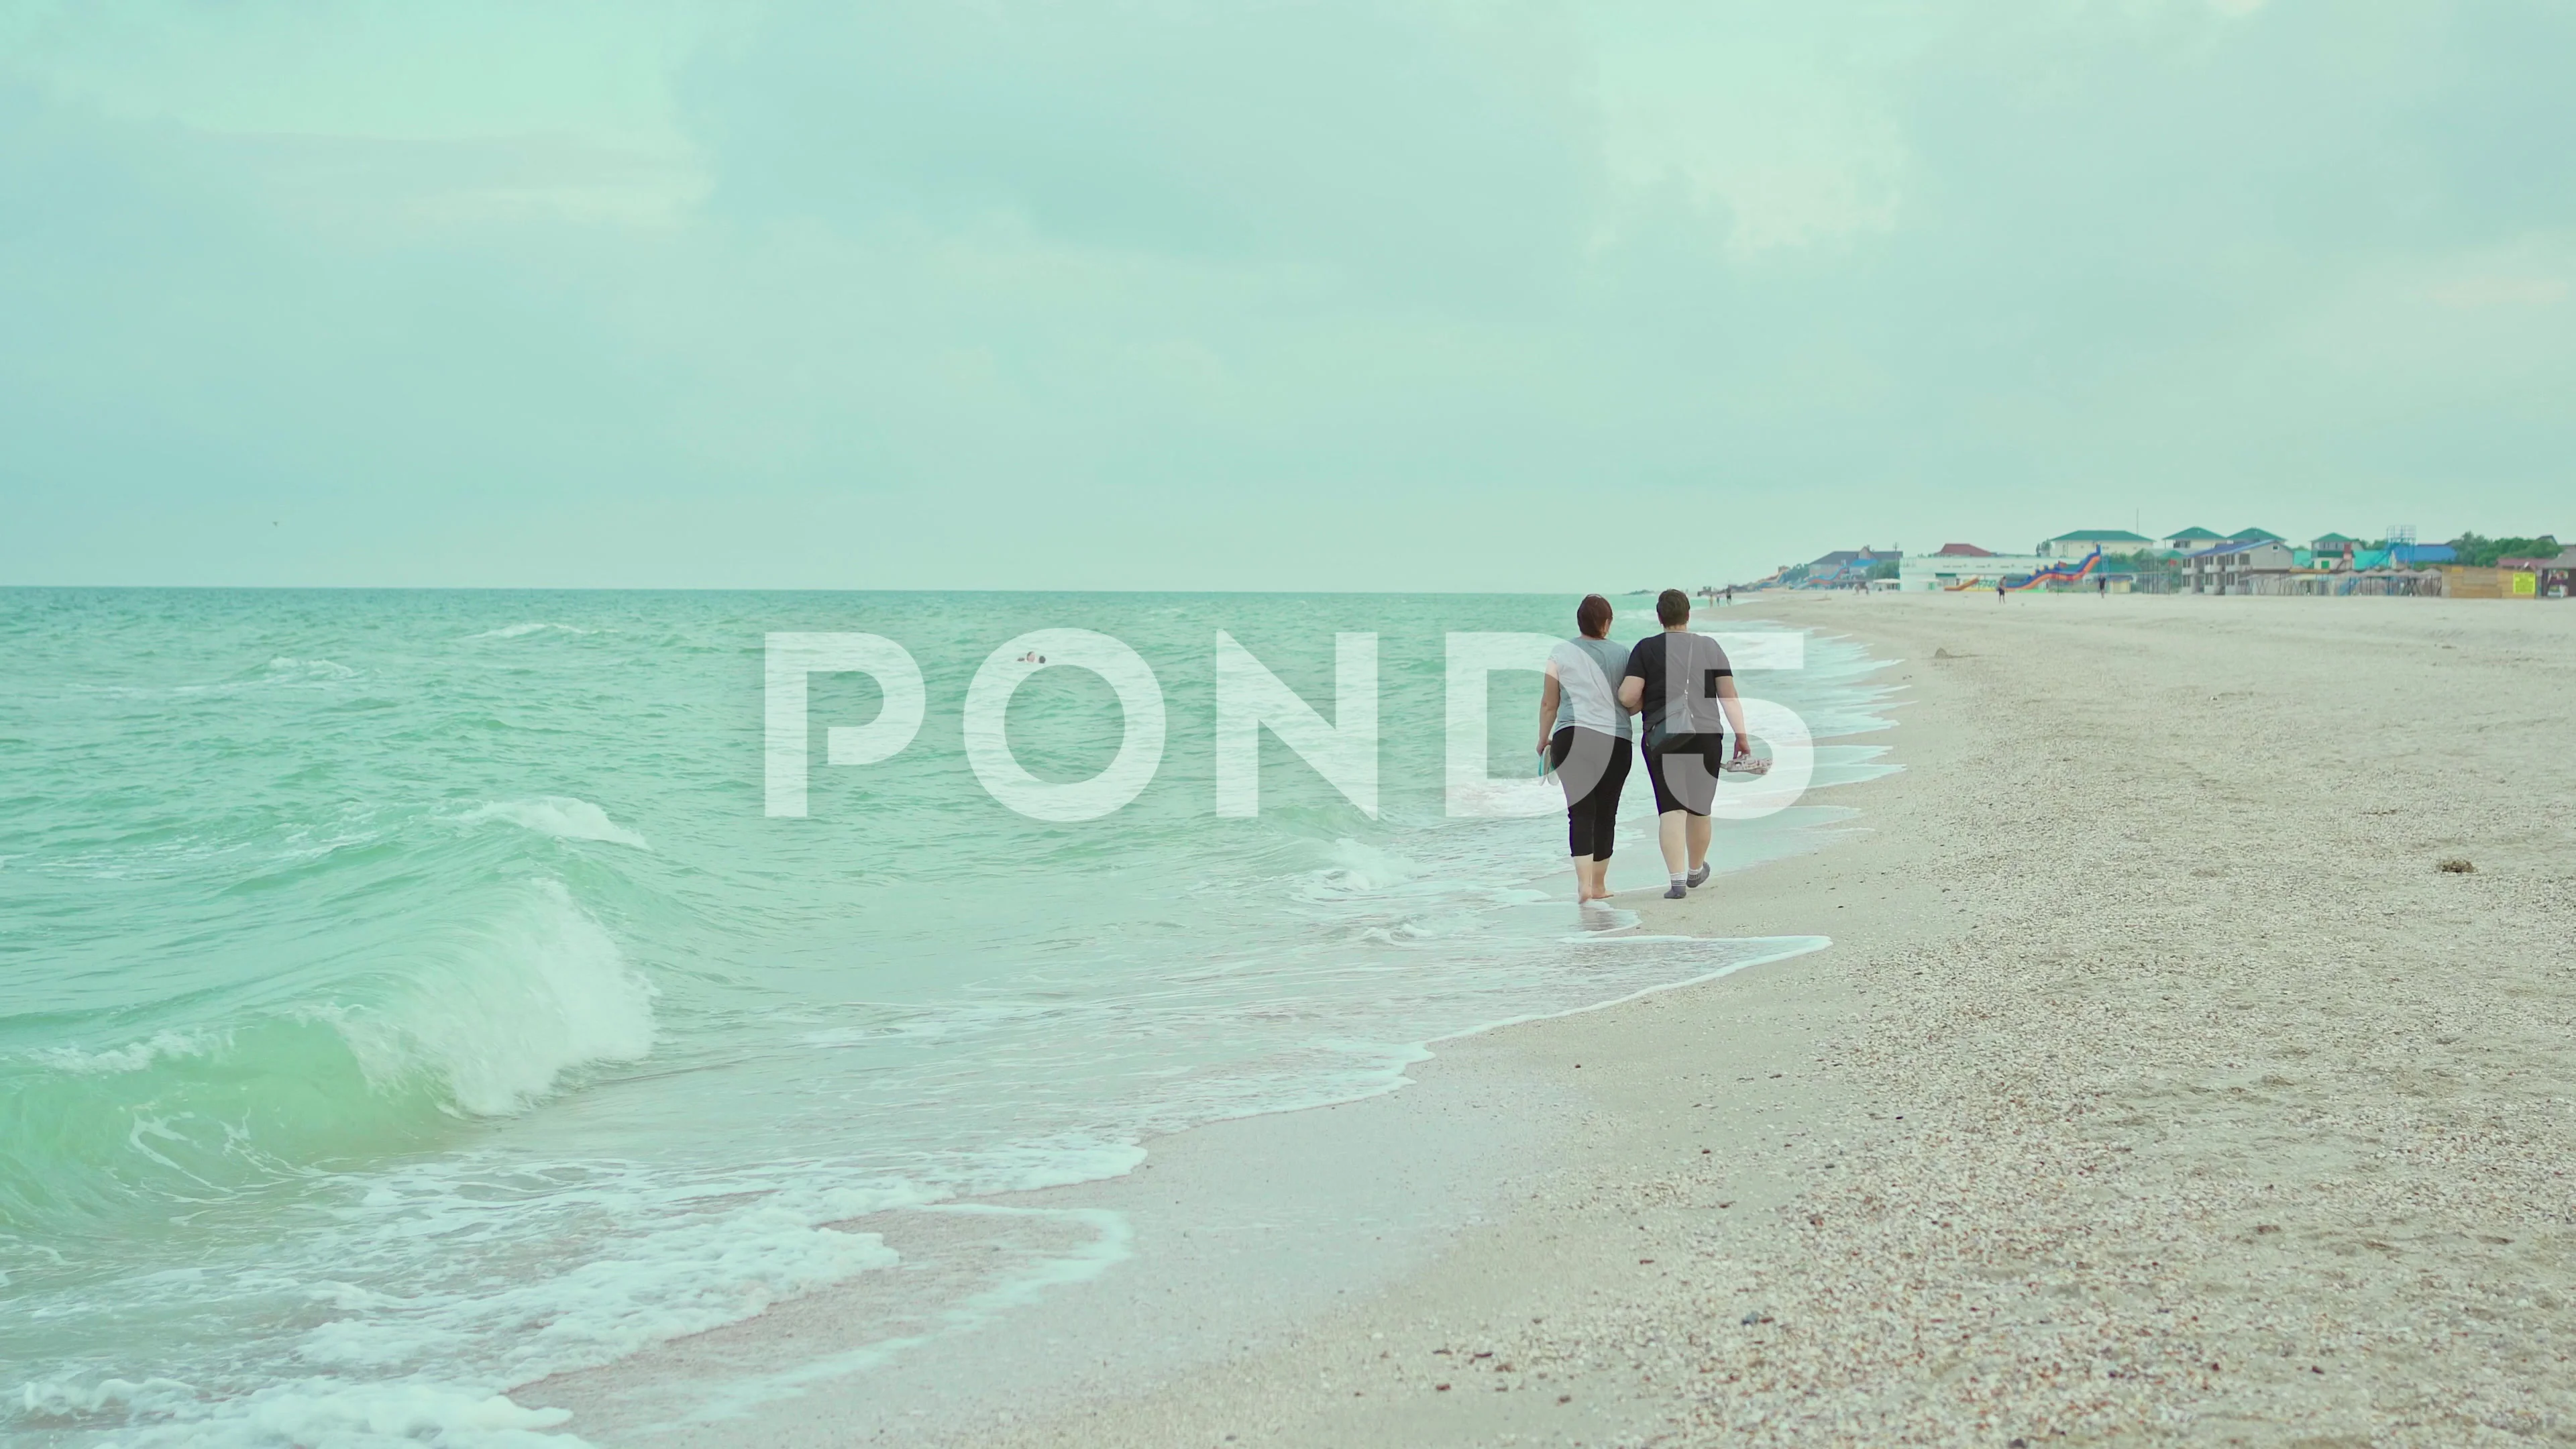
(404, 996)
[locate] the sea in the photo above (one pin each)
(408, 995)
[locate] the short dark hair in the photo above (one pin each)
(1592, 616)
(1673, 607)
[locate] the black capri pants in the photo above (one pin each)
(1684, 773)
(1592, 786)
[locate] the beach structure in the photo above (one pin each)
(2385, 582)
(2058, 575)
(2462, 581)
(2191, 540)
(2234, 568)
(2519, 578)
(2556, 578)
(2089, 540)
(2255, 535)
(1843, 568)
(1957, 572)
(1963, 550)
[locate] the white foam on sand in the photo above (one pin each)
(386, 1371)
(307, 1413)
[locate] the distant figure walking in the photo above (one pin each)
(1583, 732)
(1999, 591)
(1685, 686)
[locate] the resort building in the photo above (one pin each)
(2084, 540)
(2332, 545)
(2255, 535)
(2234, 568)
(1843, 568)
(2191, 540)
(1957, 573)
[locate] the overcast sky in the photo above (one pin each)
(1335, 294)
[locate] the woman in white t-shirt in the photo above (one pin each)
(1584, 733)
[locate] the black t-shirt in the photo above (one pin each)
(1681, 671)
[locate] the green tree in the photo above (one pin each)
(2479, 551)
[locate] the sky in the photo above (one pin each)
(1269, 294)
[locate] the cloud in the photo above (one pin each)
(2502, 292)
(1437, 150)
(1319, 293)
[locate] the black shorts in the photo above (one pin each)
(1684, 772)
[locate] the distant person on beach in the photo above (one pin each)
(1999, 591)
(1683, 683)
(1583, 731)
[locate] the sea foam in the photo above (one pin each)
(320, 1413)
(561, 816)
(132, 1057)
(521, 631)
(540, 993)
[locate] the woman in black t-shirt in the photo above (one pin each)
(1686, 688)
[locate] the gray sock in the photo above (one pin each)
(1698, 877)
(1676, 891)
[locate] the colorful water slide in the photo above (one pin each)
(2060, 573)
(1972, 581)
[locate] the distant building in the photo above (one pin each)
(2521, 578)
(2191, 540)
(1955, 572)
(2418, 555)
(2084, 540)
(1963, 550)
(2232, 568)
(1843, 568)
(2333, 543)
(2460, 581)
(2556, 578)
(2254, 535)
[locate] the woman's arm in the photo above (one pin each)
(1548, 694)
(1728, 701)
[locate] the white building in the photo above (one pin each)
(1931, 573)
(2232, 568)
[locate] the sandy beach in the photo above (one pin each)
(2158, 1085)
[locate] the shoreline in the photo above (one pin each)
(790, 1374)
(1274, 1187)
(2084, 1099)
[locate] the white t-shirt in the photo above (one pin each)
(1587, 676)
